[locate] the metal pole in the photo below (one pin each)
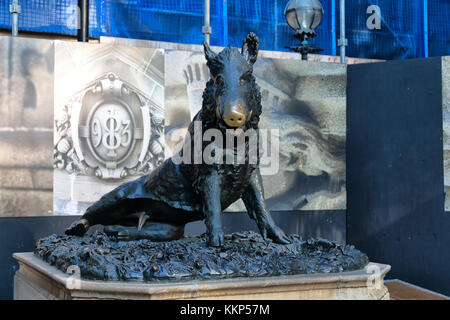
(333, 27)
(83, 31)
(14, 9)
(225, 22)
(206, 30)
(342, 43)
(425, 28)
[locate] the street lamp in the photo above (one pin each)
(304, 16)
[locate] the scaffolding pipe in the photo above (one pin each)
(83, 30)
(206, 30)
(342, 40)
(425, 28)
(14, 9)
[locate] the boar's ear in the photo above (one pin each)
(250, 48)
(209, 54)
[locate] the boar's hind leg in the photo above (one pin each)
(109, 210)
(154, 231)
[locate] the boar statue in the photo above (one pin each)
(159, 205)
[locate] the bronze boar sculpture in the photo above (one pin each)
(157, 206)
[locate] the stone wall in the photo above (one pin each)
(199, 48)
(26, 127)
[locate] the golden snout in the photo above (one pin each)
(234, 116)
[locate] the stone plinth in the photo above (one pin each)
(36, 279)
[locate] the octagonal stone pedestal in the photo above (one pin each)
(36, 279)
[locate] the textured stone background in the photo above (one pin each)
(26, 127)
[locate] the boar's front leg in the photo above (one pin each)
(253, 198)
(212, 209)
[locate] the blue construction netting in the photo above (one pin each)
(266, 19)
(439, 27)
(401, 35)
(409, 28)
(52, 16)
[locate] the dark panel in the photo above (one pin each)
(317, 224)
(20, 234)
(395, 169)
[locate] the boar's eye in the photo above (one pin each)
(244, 78)
(219, 80)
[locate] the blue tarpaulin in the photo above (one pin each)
(409, 28)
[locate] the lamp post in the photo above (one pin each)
(304, 16)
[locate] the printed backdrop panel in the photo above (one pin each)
(109, 120)
(119, 111)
